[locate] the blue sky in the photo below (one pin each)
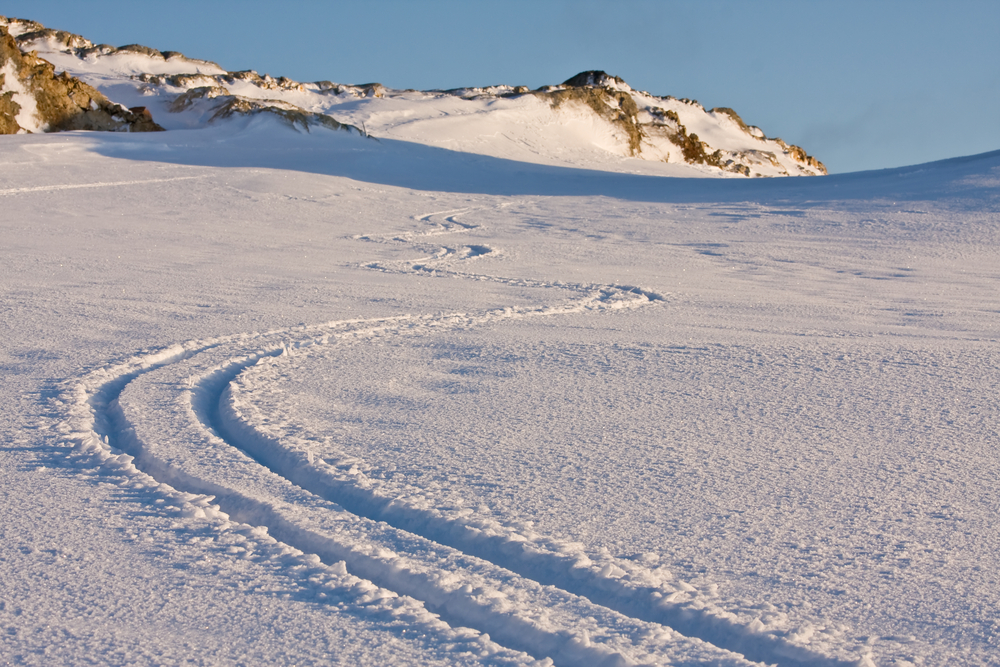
(860, 85)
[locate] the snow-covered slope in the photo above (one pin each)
(275, 397)
(592, 120)
(263, 402)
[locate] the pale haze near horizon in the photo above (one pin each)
(858, 85)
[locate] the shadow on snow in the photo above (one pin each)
(395, 163)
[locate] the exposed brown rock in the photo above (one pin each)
(640, 118)
(31, 31)
(797, 153)
(141, 50)
(604, 94)
(801, 156)
(142, 112)
(8, 108)
(372, 89)
(732, 114)
(291, 115)
(25, 24)
(66, 39)
(615, 106)
(8, 112)
(62, 102)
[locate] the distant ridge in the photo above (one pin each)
(592, 119)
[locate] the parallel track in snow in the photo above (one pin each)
(177, 412)
(83, 186)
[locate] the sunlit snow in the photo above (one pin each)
(276, 397)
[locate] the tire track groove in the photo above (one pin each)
(176, 413)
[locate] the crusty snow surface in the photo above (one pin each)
(278, 398)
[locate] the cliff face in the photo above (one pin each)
(33, 98)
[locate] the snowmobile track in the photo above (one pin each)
(175, 412)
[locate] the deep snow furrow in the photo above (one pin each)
(535, 560)
(437, 255)
(510, 552)
(542, 621)
(148, 409)
(451, 225)
(569, 572)
(95, 429)
(176, 416)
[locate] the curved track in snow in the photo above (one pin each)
(176, 418)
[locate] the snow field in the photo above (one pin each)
(491, 602)
(509, 433)
(572, 641)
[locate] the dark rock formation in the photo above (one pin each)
(593, 78)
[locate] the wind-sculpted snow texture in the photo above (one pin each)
(275, 398)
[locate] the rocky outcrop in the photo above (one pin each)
(594, 79)
(650, 127)
(644, 118)
(33, 98)
(219, 104)
(615, 106)
(30, 32)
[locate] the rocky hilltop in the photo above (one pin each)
(33, 98)
(648, 123)
(592, 119)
